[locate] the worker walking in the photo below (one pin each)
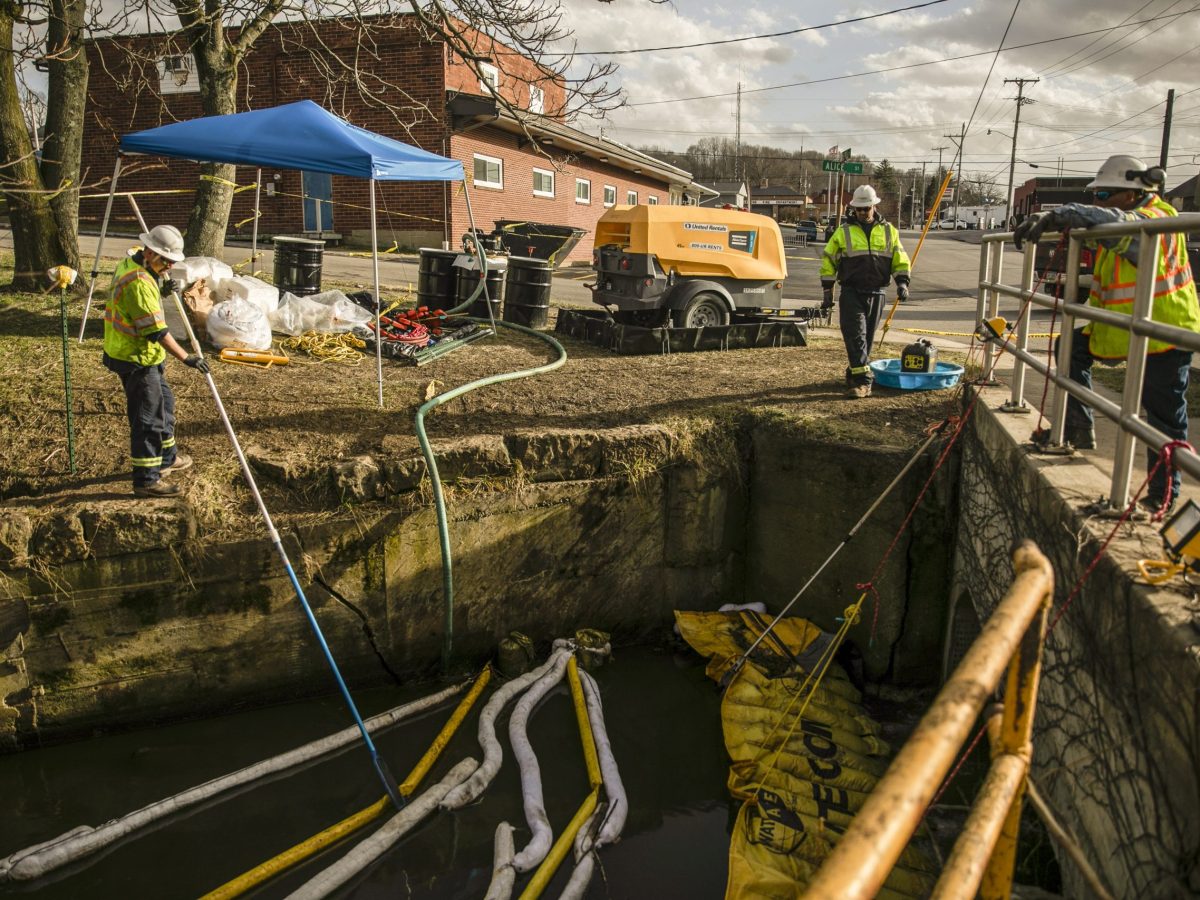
(136, 343)
(862, 255)
(1124, 191)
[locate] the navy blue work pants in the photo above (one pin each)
(859, 317)
(150, 405)
(1164, 397)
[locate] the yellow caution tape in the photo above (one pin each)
(1041, 334)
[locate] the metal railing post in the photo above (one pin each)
(991, 354)
(1016, 401)
(1066, 341)
(1135, 368)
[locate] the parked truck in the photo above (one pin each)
(689, 266)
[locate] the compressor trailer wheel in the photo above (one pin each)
(701, 311)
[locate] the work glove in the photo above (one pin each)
(902, 291)
(827, 300)
(169, 286)
(1031, 228)
(197, 362)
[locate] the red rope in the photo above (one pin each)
(954, 772)
(1165, 456)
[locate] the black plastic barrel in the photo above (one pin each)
(527, 292)
(298, 265)
(436, 278)
(468, 280)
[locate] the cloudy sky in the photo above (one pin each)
(1100, 93)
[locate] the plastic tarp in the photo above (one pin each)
(803, 757)
(299, 135)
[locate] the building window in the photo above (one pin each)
(177, 74)
(489, 172)
(543, 183)
(489, 78)
(653, 201)
(583, 190)
(631, 198)
(610, 194)
(537, 99)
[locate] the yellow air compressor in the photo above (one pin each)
(689, 265)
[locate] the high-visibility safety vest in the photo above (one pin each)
(133, 312)
(1114, 278)
(862, 262)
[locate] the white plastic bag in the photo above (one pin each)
(296, 315)
(239, 323)
(193, 268)
(255, 290)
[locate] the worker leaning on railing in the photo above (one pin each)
(1124, 192)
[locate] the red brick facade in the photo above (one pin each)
(411, 214)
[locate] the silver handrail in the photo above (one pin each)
(1141, 327)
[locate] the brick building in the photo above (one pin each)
(524, 165)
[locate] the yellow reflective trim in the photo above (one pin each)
(169, 442)
(146, 462)
(859, 370)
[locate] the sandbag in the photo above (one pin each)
(190, 270)
(198, 301)
(254, 290)
(239, 323)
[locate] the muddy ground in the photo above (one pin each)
(318, 412)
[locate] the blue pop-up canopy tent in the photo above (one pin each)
(299, 135)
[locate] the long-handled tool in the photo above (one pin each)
(389, 781)
(913, 260)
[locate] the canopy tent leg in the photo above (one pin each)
(480, 251)
(100, 246)
(254, 230)
(378, 328)
(137, 212)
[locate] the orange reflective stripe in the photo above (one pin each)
(119, 324)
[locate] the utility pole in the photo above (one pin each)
(1012, 161)
(958, 140)
(737, 138)
(1166, 138)
(921, 220)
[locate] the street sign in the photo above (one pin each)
(846, 153)
(830, 165)
(852, 168)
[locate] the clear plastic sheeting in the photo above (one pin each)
(238, 323)
(297, 315)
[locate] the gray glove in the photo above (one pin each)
(902, 291)
(1031, 228)
(827, 300)
(197, 362)
(169, 286)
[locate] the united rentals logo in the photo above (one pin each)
(704, 226)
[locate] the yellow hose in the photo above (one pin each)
(559, 851)
(334, 833)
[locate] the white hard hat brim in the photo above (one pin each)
(172, 255)
(864, 204)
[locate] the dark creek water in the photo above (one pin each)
(663, 718)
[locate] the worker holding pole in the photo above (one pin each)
(862, 255)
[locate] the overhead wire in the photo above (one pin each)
(1092, 59)
(1094, 41)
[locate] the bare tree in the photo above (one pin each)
(41, 185)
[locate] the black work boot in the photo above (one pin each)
(1081, 436)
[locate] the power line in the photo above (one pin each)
(1092, 60)
(1096, 40)
(759, 37)
(932, 62)
(992, 67)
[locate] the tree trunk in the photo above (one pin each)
(214, 196)
(36, 244)
(65, 103)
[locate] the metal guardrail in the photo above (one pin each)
(985, 853)
(794, 240)
(1071, 307)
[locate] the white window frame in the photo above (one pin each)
(587, 190)
(631, 198)
(610, 190)
(177, 74)
(537, 99)
(651, 200)
(548, 194)
(484, 183)
(489, 80)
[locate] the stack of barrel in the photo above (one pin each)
(524, 283)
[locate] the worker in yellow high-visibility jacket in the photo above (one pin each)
(1124, 191)
(862, 255)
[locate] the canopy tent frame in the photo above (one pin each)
(354, 157)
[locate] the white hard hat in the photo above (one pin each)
(1125, 173)
(865, 196)
(165, 240)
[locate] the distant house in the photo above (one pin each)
(1042, 193)
(525, 163)
(733, 193)
(781, 202)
